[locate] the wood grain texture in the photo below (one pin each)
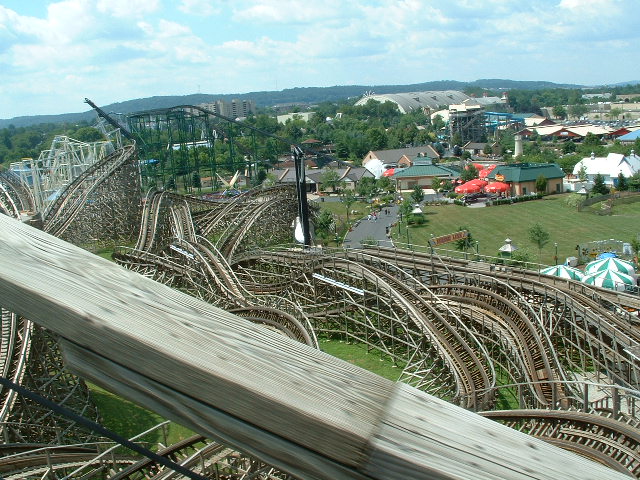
(266, 394)
(424, 437)
(249, 372)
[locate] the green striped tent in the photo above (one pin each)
(611, 279)
(563, 271)
(615, 264)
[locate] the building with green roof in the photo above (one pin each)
(522, 177)
(422, 173)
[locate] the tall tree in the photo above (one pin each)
(622, 182)
(559, 112)
(465, 243)
(417, 195)
(348, 198)
(469, 172)
(539, 237)
(598, 185)
(541, 184)
(330, 179)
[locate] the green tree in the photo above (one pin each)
(616, 112)
(405, 209)
(324, 224)
(386, 185)
(367, 187)
(622, 182)
(582, 173)
(465, 243)
(634, 181)
(574, 200)
(598, 185)
(559, 112)
(469, 172)
(436, 184)
(171, 184)
(437, 123)
(578, 110)
(539, 237)
(568, 147)
(591, 139)
(330, 179)
(196, 181)
(417, 195)
(348, 198)
(377, 138)
(541, 184)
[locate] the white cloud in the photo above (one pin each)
(204, 8)
(128, 8)
(289, 11)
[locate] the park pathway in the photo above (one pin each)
(372, 229)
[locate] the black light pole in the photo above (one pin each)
(303, 206)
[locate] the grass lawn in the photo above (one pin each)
(128, 419)
(356, 353)
(340, 211)
(491, 225)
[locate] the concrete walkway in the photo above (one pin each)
(372, 229)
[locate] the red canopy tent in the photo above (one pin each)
(497, 187)
(468, 188)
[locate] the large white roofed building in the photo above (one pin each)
(432, 100)
(609, 167)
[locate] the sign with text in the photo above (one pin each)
(452, 237)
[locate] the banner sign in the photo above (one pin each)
(452, 237)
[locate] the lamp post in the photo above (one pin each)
(555, 257)
(477, 250)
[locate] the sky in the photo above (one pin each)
(53, 54)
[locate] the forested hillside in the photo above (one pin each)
(265, 99)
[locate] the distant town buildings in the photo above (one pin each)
(236, 108)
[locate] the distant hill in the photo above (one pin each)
(624, 84)
(271, 98)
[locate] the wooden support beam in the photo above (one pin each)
(288, 404)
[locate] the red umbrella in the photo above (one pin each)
(497, 187)
(389, 172)
(486, 171)
(468, 188)
(478, 181)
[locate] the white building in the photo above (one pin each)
(609, 167)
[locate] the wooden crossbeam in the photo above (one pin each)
(290, 405)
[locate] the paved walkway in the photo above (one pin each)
(372, 229)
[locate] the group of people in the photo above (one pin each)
(373, 216)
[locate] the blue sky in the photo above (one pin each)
(53, 53)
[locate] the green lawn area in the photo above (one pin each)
(128, 419)
(356, 353)
(491, 225)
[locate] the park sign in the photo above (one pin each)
(452, 237)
